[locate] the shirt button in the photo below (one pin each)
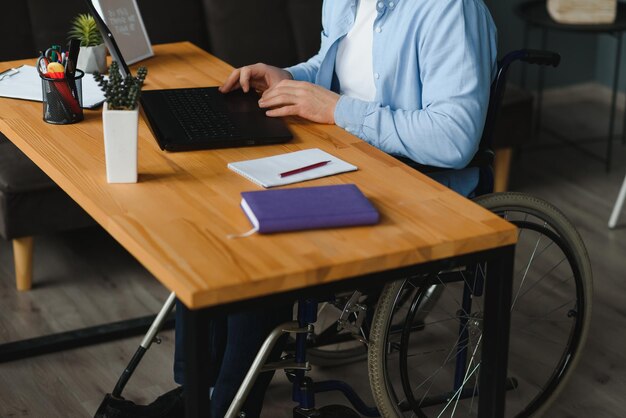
(379, 29)
(391, 4)
(380, 4)
(376, 76)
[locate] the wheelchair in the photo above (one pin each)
(422, 340)
(422, 335)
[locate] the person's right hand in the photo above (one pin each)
(258, 76)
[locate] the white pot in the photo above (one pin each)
(583, 12)
(92, 59)
(120, 144)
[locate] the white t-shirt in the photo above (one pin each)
(353, 65)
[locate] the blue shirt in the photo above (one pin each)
(433, 63)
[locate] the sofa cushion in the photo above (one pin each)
(165, 23)
(31, 203)
(17, 171)
(39, 212)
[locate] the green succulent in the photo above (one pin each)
(85, 29)
(122, 93)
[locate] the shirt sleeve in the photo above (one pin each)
(307, 71)
(457, 57)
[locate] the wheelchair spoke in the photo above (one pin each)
(541, 252)
(430, 378)
(543, 277)
(521, 230)
(445, 286)
(526, 272)
(466, 377)
(474, 390)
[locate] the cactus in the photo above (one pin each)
(121, 93)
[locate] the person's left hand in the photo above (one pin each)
(300, 98)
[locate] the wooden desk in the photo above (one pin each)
(175, 221)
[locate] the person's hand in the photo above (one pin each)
(258, 76)
(300, 98)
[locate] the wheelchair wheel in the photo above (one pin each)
(424, 349)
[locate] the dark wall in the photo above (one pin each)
(279, 32)
(18, 37)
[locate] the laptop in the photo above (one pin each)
(200, 118)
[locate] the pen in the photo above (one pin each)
(305, 168)
(8, 73)
(73, 49)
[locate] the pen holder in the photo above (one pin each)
(62, 99)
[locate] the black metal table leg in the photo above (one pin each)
(197, 362)
(618, 60)
(496, 326)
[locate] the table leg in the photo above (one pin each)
(197, 362)
(618, 59)
(496, 326)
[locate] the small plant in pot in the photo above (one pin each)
(93, 53)
(120, 119)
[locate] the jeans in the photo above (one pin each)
(235, 341)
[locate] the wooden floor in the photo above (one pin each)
(83, 278)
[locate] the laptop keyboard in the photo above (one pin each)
(192, 108)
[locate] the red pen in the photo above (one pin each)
(302, 169)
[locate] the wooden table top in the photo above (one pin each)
(176, 219)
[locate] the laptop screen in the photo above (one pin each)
(108, 38)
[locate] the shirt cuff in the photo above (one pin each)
(297, 72)
(350, 114)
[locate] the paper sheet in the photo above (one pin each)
(266, 171)
(26, 85)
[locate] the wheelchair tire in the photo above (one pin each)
(562, 327)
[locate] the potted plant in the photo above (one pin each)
(120, 119)
(92, 56)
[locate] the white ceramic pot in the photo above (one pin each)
(120, 144)
(583, 12)
(92, 59)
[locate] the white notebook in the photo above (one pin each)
(266, 171)
(26, 84)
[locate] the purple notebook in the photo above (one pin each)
(308, 208)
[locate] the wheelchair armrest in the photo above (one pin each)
(483, 158)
